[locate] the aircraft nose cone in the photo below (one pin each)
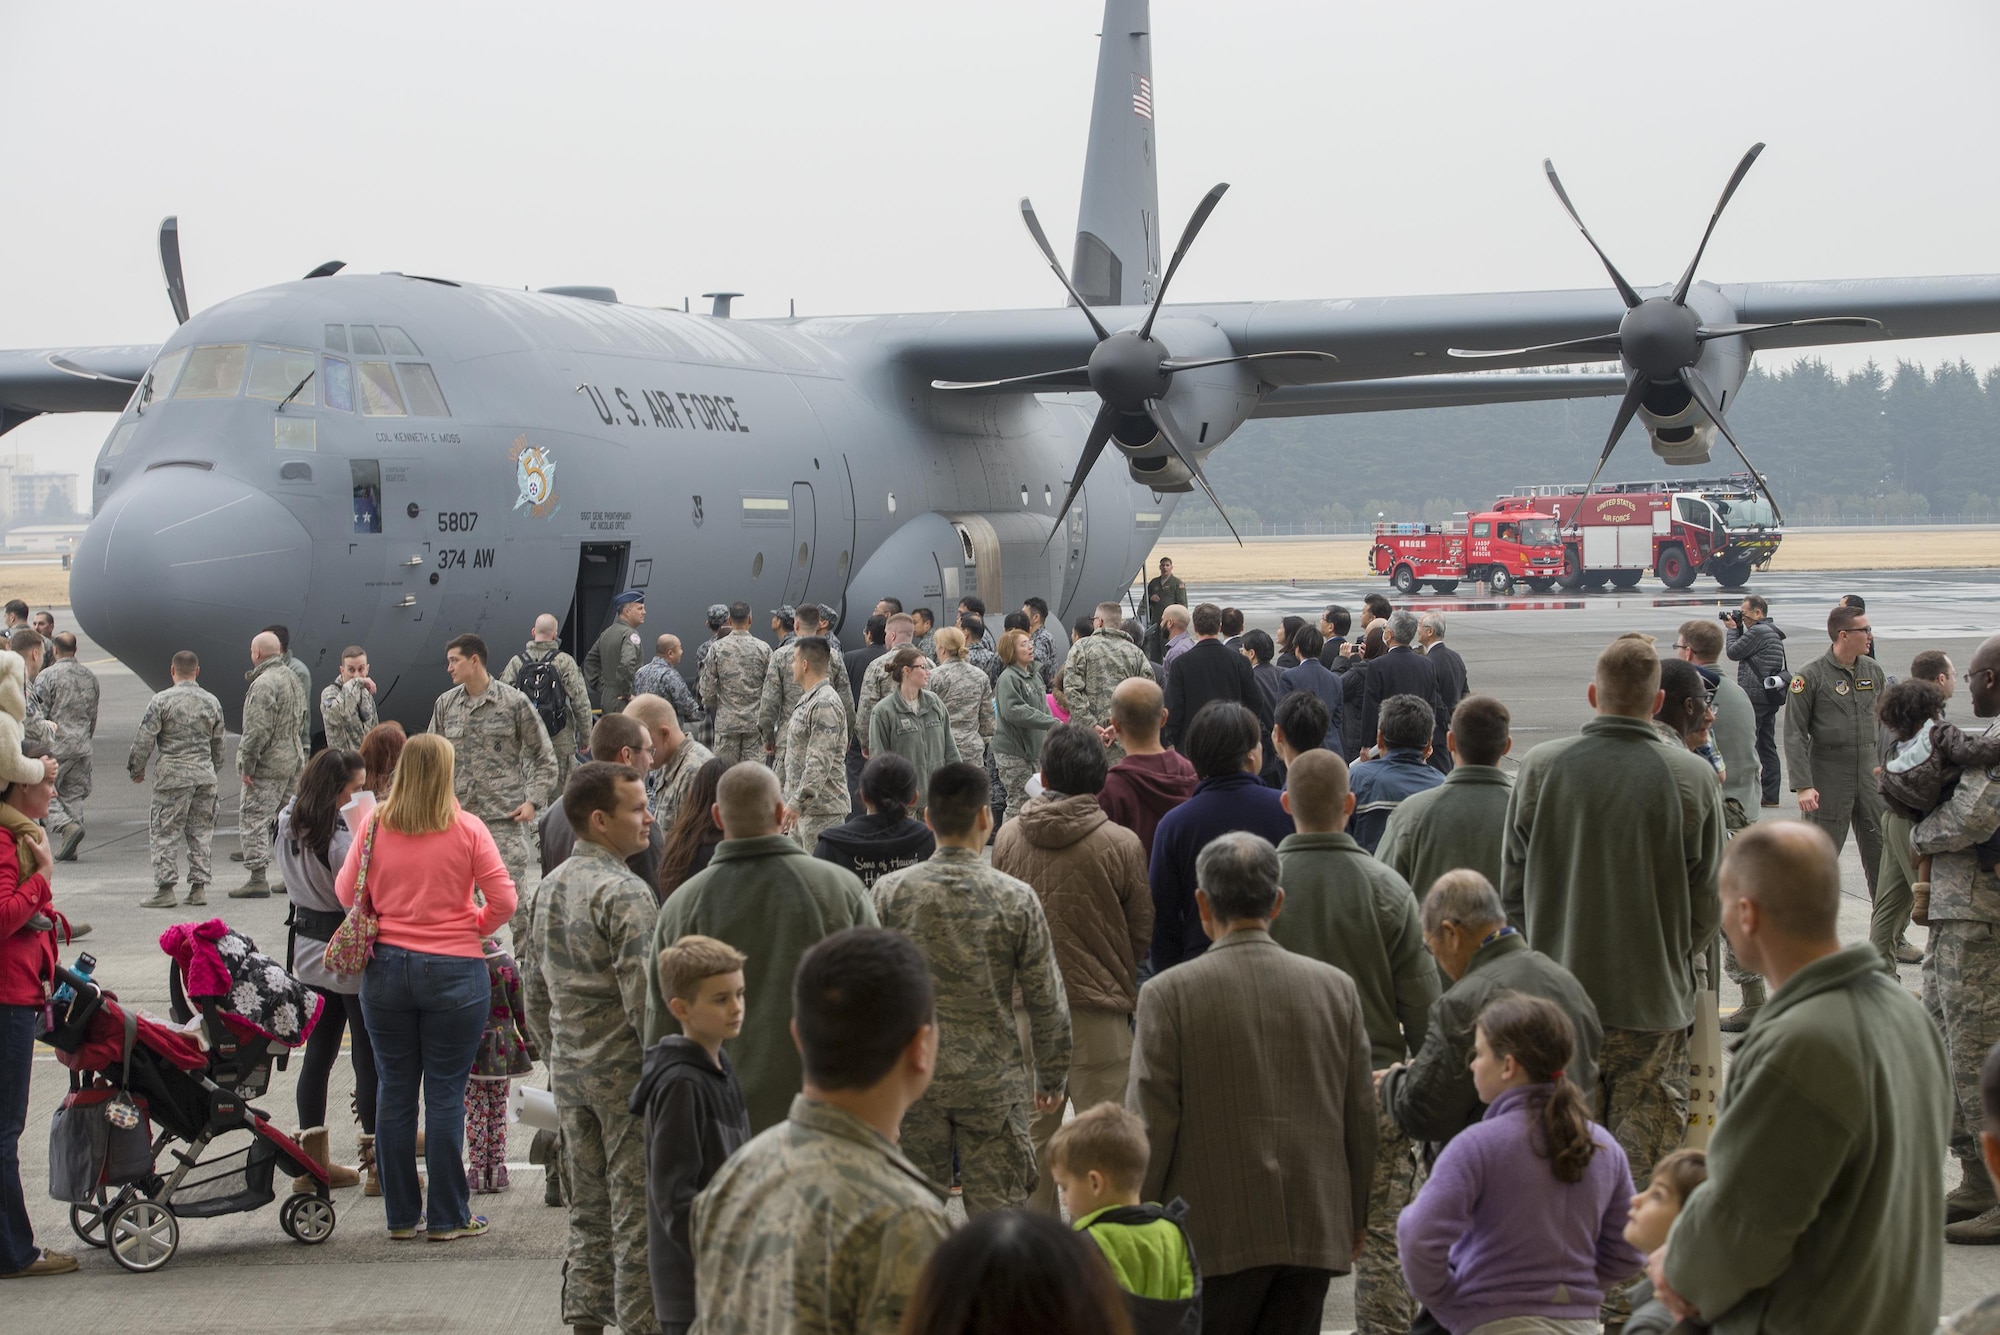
(184, 558)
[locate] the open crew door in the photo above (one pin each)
(600, 576)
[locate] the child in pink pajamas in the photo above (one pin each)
(504, 1052)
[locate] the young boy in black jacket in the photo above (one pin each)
(693, 1108)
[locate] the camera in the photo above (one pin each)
(1729, 616)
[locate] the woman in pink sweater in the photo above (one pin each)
(436, 881)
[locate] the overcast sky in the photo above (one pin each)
(868, 156)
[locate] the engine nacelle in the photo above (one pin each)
(1677, 428)
(1209, 404)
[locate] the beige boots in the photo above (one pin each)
(371, 1182)
(314, 1143)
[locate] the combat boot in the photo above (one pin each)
(1738, 1020)
(1983, 1231)
(198, 893)
(67, 840)
(254, 888)
(1972, 1198)
(163, 898)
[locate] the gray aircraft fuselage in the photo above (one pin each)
(580, 447)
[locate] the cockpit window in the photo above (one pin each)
(398, 343)
(365, 340)
(276, 372)
(214, 371)
(120, 438)
(379, 397)
(338, 377)
(158, 383)
(420, 387)
(336, 337)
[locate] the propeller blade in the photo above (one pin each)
(1617, 279)
(1600, 343)
(1735, 179)
(170, 262)
(1093, 445)
(1170, 430)
(1171, 364)
(1628, 407)
(1709, 331)
(68, 367)
(1064, 379)
(1714, 411)
(1049, 254)
(1188, 234)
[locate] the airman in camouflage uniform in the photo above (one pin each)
(66, 695)
(812, 762)
(347, 703)
(576, 695)
(1096, 664)
(983, 933)
(503, 761)
(33, 649)
(875, 683)
(875, 1220)
(661, 676)
(782, 693)
(612, 663)
(967, 693)
(732, 689)
(269, 757)
(185, 723)
(1962, 967)
(593, 926)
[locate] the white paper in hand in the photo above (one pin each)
(357, 808)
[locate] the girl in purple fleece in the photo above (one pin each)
(1521, 1226)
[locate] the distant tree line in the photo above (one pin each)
(1872, 445)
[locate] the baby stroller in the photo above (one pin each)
(196, 1096)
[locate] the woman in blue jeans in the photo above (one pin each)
(436, 881)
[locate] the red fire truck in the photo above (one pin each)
(1679, 529)
(1499, 550)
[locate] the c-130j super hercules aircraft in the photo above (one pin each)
(392, 460)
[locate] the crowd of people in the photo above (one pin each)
(1203, 964)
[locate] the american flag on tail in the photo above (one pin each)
(1142, 96)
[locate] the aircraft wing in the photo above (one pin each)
(1433, 391)
(1390, 338)
(69, 380)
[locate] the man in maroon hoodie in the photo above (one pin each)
(1151, 780)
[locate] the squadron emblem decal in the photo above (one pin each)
(535, 475)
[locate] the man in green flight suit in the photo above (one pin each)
(614, 660)
(1830, 742)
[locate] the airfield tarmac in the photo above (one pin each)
(1535, 653)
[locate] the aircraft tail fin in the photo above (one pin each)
(1117, 260)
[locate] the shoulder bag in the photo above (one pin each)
(353, 942)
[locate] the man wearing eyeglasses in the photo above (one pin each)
(1830, 741)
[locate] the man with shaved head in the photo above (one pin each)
(1962, 968)
(527, 672)
(1096, 666)
(1612, 845)
(769, 898)
(269, 758)
(677, 757)
(1149, 780)
(1822, 1201)
(661, 676)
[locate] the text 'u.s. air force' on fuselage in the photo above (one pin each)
(390, 461)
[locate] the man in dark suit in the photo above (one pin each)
(1449, 670)
(1250, 1066)
(1208, 671)
(1334, 624)
(1401, 671)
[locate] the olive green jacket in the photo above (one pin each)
(1023, 708)
(1613, 842)
(1460, 823)
(919, 731)
(771, 900)
(1823, 1197)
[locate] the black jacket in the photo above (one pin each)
(1316, 677)
(1207, 672)
(694, 1120)
(857, 661)
(1401, 671)
(1449, 669)
(874, 846)
(1758, 652)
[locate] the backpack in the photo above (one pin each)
(1160, 1316)
(542, 683)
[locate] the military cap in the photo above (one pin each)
(787, 614)
(627, 597)
(718, 613)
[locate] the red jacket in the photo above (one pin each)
(27, 957)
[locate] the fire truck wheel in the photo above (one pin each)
(1625, 579)
(1733, 574)
(1595, 579)
(1674, 569)
(1445, 585)
(1541, 585)
(1404, 580)
(1572, 575)
(1498, 580)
